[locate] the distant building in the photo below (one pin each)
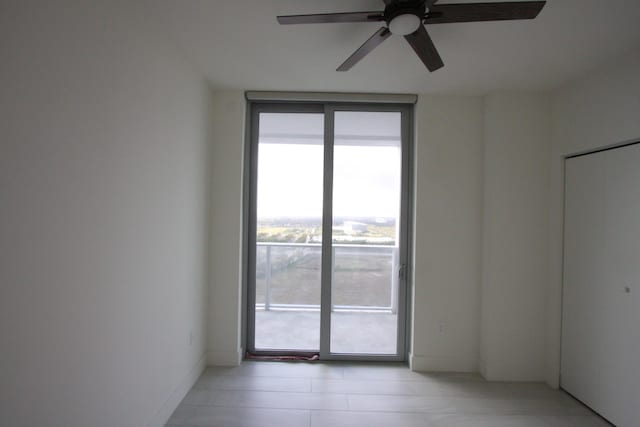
(352, 227)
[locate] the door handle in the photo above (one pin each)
(402, 269)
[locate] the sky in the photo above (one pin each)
(366, 165)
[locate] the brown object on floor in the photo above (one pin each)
(291, 358)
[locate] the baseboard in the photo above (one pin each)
(174, 399)
(424, 363)
(513, 376)
(553, 378)
(224, 358)
(482, 368)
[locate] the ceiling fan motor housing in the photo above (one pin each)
(404, 17)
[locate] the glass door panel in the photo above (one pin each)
(367, 165)
(288, 231)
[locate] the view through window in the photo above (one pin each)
(366, 177)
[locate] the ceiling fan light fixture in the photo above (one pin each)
(405, 23)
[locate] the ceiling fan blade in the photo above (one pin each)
(422, 44)
(325, 18)
(473, 12)
(378, 37)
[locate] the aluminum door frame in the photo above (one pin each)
(250, 224)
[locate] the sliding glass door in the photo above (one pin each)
(327, 230)
(288, 231)
(365, 232)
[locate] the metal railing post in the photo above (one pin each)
(267, 280)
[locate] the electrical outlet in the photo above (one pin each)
(441, 328)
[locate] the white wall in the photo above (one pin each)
(103, 217)
(514, 254)
(226, 229)
(598, 110)
(447, 227)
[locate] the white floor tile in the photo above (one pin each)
(254, 383)
(266, 399)
(368, 419)
(215, 416)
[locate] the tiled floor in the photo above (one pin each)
(346, 394)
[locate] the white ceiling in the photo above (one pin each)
(238, 44)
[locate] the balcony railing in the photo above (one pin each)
(364, 277)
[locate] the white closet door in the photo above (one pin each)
(601, 314)
(622, 388)
(582, 309)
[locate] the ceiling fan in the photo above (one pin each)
(408, 17)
